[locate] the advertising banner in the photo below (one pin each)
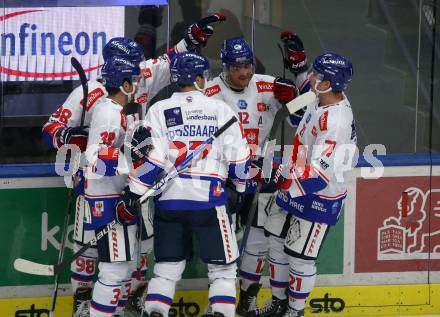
(347, 301)
(37, 44)
(398, 224)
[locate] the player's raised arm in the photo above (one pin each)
(155, 71)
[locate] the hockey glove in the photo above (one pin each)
(255, 175)
(198, 33)
(139, 145)
(295, 60)
(284, 90)
(73, 135)
(235, 200)
(127, 211)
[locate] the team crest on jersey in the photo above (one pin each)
(251, 135)
(173, 117)
(262, 107)
(147, 73)
(323, 119)
(242, 104)
(98, 209)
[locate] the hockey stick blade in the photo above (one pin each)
(33, 268)
(300, 102)
(30, 267)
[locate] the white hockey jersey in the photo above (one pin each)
(324, 145)
(156, 75)
(105, 173)
(178, 125)
(255, 106)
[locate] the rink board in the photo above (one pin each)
(33, 231)
(355, 301)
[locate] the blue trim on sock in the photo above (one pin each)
(250, 276)
(222, 299)
(159, 298)
(103, 308)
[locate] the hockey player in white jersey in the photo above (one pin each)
(311, 194)
(106, 174)
(63, 127)
(195, 201)
(255, 98)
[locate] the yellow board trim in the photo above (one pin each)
(359, 301)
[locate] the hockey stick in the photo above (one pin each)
(283, 123)
(130, 109)
(82, 76)
(30, 267)
(290, 108)
(140, 222)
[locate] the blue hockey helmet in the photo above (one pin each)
(186, 66)
(117, 69)
(335, 68)
(236, 51)
(123, 47)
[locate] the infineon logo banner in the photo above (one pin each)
(37, 43)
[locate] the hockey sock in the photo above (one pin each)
(125, 291)
(279, 267)
(82, 270)
(162, 287)
(251, 270)
(302, 278)
(105, 299)
(279, 275)
(107, 290)
(252, 264)
(222, 291)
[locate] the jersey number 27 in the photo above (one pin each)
(183, 151)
